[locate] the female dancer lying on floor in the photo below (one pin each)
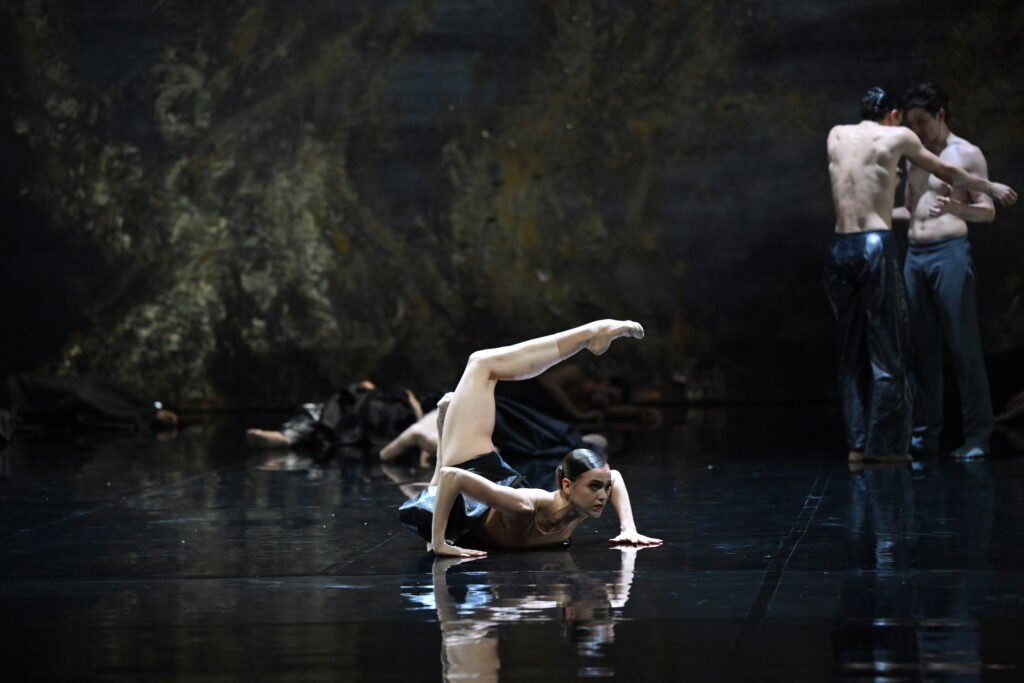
(474, 499)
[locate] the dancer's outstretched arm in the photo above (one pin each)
(627, 528)
(453, 481)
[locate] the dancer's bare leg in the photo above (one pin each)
(421, 434)
(260, 438)
(468, 420)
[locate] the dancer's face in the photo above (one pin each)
(589, 493)
(927, 127)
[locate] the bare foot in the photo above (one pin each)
(856, 456)
(610, 330)
(165, 419)
(259, 438)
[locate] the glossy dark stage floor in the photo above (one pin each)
(195, 558)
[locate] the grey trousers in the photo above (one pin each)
(944, 307)
(865, 287)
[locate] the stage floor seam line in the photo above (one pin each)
(777, 566)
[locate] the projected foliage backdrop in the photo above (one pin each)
(252, 202)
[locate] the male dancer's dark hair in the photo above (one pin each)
(876, 103)
(927, 96)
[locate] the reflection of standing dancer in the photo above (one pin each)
(473, 479)
(862, 273)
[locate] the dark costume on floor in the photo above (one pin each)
(866, 291)
(76, 403)
(358, 422)
(353, 423)
(418, 513)
(522, 432)
(944, 305)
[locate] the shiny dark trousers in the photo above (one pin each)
(865, 288)
(943, 301)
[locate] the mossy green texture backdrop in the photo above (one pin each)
(280, 197)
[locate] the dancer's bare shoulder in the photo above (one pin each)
(965, 155)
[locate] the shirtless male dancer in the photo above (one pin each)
(940, 279)
(862, 273)
(512, 517)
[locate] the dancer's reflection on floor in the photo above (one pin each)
(897, 620)
(471, 614)
(878, 630)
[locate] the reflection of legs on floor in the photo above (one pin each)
(406, 479)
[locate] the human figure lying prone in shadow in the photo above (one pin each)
(77, 404)
(475, 499)
(362, 421)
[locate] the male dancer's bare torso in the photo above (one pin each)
(924, 191)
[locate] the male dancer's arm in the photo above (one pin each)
(980, 209)
(912, 148)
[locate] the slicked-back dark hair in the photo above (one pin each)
(876, 103)
(576, 462)
(927, 96)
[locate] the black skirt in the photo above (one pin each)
(418, 513)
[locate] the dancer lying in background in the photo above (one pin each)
(474, 497)
(569, 392)
(79, 403)
(353, 422)
(362, 421)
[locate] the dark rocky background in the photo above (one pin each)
(249, 203)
